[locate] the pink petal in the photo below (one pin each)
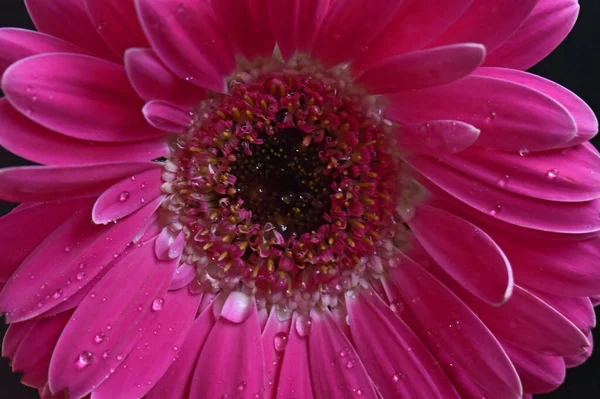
(511, 116)
(586, 120)
(158, 347)
(108, 323)
(248, 26)
(538, 373)
(116, 22)
(436, 138)
(66, 261)
(176, 382)
(556, 175)
(56, 18)
(486, 273)
(189, 40)
(335, 367)
(51, 183)
(275, 339)
(167, 117)
(345, 31)
(422, 69)
(169, 244)
(22, 232)
(33, 356)
(578, 310)
(415, 24)
(397, 361)
(36, 143)
(15, 334)
(294, 377)
(153, 81)
(453, 327)
(16, 44)
(512, 208)
(489, 22)
(577, 360)
(59, 92)
(231, 362)
(545, 28)
(184, 275)
(128, 195)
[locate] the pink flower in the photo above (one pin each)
(385, 205)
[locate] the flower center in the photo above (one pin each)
(284, 188)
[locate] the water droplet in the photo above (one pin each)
(124, 196)
(85, 359)
(81, 266)
(80, 276)
(552, 174)
(143, 186)
(416, 299)
(241, 386)
(280, 341)
(157, 304)
(396, 306)
(350, 364)
(504, 181)
(57, 294)
(99, 337)
(105, 355)
(523, 152)
(398, 377)
(359, 392)
(119, 357)
(454, 324)
(68, 248)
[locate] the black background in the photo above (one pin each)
(575, 65)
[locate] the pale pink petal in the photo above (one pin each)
(489, 22)
(512, 208)
(107, 324)
(66, 261)
(422, 69)
(248, 26)
(31, 141)
(511, 116)
(16, 44)
(231, 362)
(586, 120)
(128, 195)
(275, 337)
(33, 356)
(15, 334)
(437, 138)
(330, 354)
(397, 361)
(116, 22)
(184, 275)
(189, 40)
(486, 273)
(556, 175)
(544, 29)
(345, 30)
(169, 244)
(51, 183)
(57, 18)
(156, 349)
(416, 24)
(59, 92)
(452, 327)
(165, 116)
(153, 81)
(177, 380)
(22, 230)
(294, 377)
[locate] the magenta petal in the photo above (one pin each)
(489, 22)
(66, 261)
(153, 81)
(184, 275)
(165, 116)
(52, 183)
(158, 347)
(486, 273)
(578, 310)
(16, 44)
(189, 40)
(545, 28)
(275, 339)
(577, 360)
(453, 328)
(15, 334)
(57, 18)
(169, 244)
(336, 369)
(422, 69)
(128, 195)
(33, 356)
(231, 362)
(116, 22)
(106, 326)
(436, 138)
(36, 143)
(59, 92)
(176, 382)
(388, 347)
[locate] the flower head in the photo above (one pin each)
(295, 199)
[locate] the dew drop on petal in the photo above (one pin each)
(523, 152)
(241, 386)
(496, 210)
(80, 276)
(119, 357)
(552, 174)
(99, 338)
(504, 181)
(396, 306)
(124, 196)
(105, 355)
(57, 294)
(85, 359)
(280, 341)
(157, 304)
(68, 248)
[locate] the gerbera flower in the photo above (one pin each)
(295, 199)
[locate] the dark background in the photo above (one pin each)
(575, 65)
